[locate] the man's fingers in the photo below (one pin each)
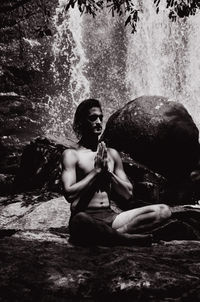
(101, 158)
(103, 144)
(98, 147)
(105, 152)
(97, 158)
(100, 150)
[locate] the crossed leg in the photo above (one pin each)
(141, 219)
(84, 230)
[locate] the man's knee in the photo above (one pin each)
(79, 222)
(163, 212)
(79, 228)
(81, 217)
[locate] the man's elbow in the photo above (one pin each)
(129, 192)
(69, 195)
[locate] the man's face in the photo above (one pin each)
(94, 121)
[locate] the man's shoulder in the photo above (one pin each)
(70, 154)
(113, 152)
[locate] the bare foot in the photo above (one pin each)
(137, 239)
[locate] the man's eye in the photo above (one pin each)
(94, 117)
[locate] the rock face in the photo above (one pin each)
(18, 124)
(26, 32)
(156, 132)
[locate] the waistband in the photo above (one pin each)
(98, 208)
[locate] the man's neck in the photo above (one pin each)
(89, 143)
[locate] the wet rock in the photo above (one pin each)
(18, 125)
(157, 133)
(6, 183)
(25, 60)
(149, 187)
(10, 152)
(34, 215)
(24, 24)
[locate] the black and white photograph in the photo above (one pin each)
(99, 150)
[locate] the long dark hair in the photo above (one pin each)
(81, 115)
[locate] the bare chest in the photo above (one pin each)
(86, 162)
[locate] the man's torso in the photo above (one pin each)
(85, 164)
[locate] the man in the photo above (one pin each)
(90, 173)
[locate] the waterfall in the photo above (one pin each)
(70, 85)
(99, 57)
(106, 47)
(164, 59)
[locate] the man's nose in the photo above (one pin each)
(98, 120)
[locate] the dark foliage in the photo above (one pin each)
(176, 8)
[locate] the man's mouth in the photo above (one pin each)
(98, 128)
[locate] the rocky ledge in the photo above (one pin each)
(39, 263)
(43, 268)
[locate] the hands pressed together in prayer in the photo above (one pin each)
(101, 165)
(101, 158)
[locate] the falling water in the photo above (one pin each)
(69, 83)
(99, 57)
(106, 47)
(163, 58)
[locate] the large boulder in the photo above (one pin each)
(156, 132)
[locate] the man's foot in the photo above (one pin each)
(137, 239)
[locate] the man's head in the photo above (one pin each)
(88, 118)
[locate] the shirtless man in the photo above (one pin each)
(89, 174)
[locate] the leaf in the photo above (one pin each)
(128, 20)
(71, 3)
(156, 2)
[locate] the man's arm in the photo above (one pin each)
(119, 180)
(73, 190)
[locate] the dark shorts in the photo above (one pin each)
(106, 215)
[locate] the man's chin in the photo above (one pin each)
(97, 131)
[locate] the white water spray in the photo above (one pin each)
(164, 58)
(69, 82)
(98, 57)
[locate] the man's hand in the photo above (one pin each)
(101, 158)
